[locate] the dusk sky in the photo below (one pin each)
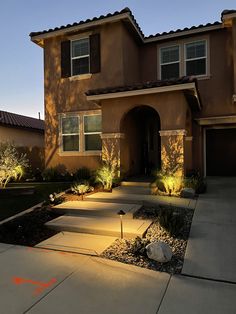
(21, 61)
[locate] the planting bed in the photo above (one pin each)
(133, 251)
(28, 229)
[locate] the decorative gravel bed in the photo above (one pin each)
(132, 251)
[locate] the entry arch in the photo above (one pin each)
(140, 151)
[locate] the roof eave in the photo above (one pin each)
(39, 39)
(183, 33)
(146, 91)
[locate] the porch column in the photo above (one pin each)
(111, 146)
(172, 151)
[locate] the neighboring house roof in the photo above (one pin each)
(126, 14)
(146, 85)
(18, 121)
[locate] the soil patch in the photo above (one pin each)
(28, 229)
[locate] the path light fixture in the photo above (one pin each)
(121, 213)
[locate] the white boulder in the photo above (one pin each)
(159, 251)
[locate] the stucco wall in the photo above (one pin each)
(125, 61)
(29, 142)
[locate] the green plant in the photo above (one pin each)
(56, 174)
(12, 164)
(196, 182)
(105, 175)
(138, 245)
(81, 187)
(172, 221)
(82, 174)
(170, 184)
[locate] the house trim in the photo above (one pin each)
(173, 132)
(183, 33)
(216, 120)
(145, 91)
(38, 39)
(112, 135)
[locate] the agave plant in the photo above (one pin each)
(81, 188)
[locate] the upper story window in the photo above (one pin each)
(81, 132)
(195, 58)
(169, 62)
(80, 56)
(184, 58)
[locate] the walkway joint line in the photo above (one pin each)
(209, 279)
(163, 294)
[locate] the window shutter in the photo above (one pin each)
(65, 59)
(95, 58)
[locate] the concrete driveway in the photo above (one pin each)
(211, 249)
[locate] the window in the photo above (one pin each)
(81, 132)
(70, 133)
(169, 61)
(92, 131)
(80, 56)
(195, 58)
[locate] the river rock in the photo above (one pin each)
(159, 251)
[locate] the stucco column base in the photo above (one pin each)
(111, 143)
(172, 152)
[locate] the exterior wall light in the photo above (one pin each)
(121, 213)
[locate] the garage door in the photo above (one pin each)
(221, 152)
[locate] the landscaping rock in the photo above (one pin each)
(159, 251)
(187, 193)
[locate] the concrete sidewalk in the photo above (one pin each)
(211, 249)
(43, 281)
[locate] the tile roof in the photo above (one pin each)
(225, 12)
(19, 121)
(145, 85)
(129, 12)
(101, 17)
(179, 31)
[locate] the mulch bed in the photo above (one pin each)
(132, 251)
(28, 229)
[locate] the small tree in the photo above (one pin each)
(12, 164)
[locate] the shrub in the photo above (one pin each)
(12, 164)
(170, 184)
(105, 175)
(171, 220)
(81, 187)
(57, 173)
(196, 182)
(82, 174)
(137, 246)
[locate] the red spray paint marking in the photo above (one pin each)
(41, 285)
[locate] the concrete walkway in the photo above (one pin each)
(211, 249)
(44, 282)
(36, 281)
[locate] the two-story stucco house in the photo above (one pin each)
(109, 86)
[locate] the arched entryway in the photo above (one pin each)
(141, 147)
